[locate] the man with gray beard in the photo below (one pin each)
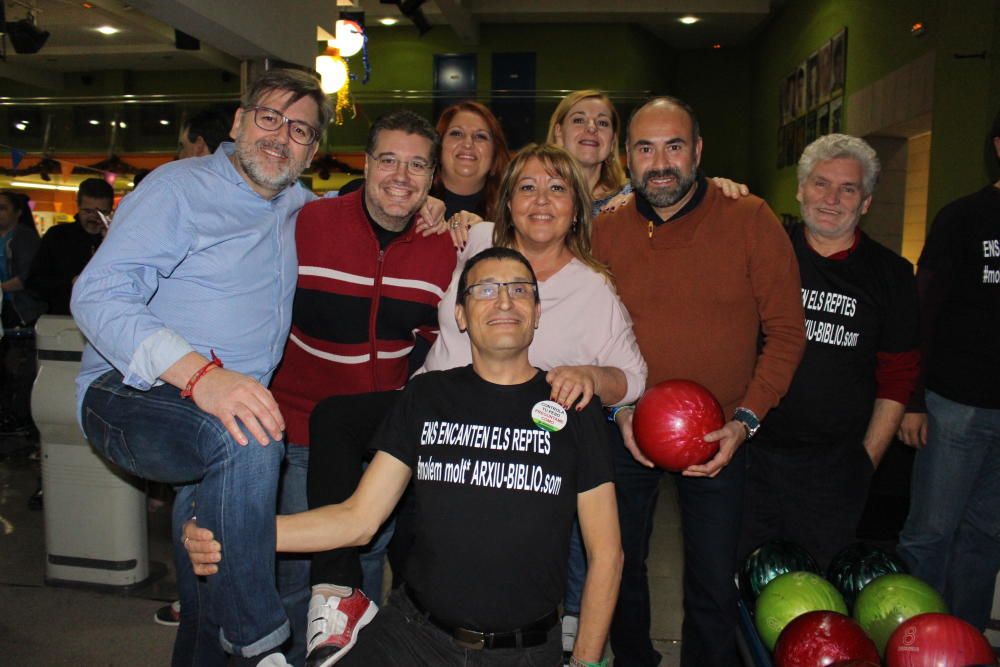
(198, 271)
(703, 277)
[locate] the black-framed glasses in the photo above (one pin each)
(517, 290)
(416, 167)
(270, 120)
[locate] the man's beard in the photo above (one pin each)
(665, 196)
(253, 165)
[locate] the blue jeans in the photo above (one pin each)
(293, 569)
(711, 513)
(157, 435)
(951, 538)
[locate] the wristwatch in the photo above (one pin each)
(749, 420)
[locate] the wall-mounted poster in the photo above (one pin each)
(812, 81)
(800, 90)
(788, 108)
(838, 63)
(824, 74)
(836, 115)
(823, 120)
(811, 99)
(800, 140)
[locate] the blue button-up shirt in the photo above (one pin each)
(194, 261)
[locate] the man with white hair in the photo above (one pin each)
(812, 460)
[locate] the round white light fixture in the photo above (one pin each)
(107, 30)
(689, 20)
(332, 73)
(21, 126)
(164, 121)
(388, 20)
(350, 38)
(93, 122)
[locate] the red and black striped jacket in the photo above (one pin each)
(358, 308)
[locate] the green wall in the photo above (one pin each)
(966, 91)
(629, 59)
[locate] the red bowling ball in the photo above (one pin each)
(822, 638)
(937, 640)
(671, 420)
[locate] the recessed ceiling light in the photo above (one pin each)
(107, 30)
(388, 20)
(21, 126)
(689, 20)
(164, 121)
(93, 122)
(122, 125)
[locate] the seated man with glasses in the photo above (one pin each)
(66, 249)
(199, 269)
(370, 279)
(498, 472)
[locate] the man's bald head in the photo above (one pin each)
(662, 103)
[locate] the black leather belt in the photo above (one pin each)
(535, 633)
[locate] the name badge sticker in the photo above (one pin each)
(548, 415)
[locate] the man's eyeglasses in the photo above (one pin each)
(517, 290)
(416, 167)
(270, 120)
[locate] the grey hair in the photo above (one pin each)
(833, 146)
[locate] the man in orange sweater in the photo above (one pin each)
(713, 288)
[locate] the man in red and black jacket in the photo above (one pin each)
(369, 284)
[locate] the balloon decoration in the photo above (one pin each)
(332, 67)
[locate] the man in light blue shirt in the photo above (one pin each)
(200, 266)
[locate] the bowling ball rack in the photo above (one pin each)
(751, 648)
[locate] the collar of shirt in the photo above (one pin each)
(647, 211)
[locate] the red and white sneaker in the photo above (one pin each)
(334, 623)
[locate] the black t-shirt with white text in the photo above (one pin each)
(494, 494)
(963, 251)
(855, 307)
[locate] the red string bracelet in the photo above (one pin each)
(200, 373)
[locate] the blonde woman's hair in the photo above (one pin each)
(612, 176)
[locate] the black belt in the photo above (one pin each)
(535, 633)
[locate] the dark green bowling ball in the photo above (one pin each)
(855, 566)
(770, 560)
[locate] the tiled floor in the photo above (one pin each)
(42, 625)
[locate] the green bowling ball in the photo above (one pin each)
(770, 560)
(891, 599)
(790, 595)
(857, 565)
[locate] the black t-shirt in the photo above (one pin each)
(963, 252)
(453, 203)
(494, 494)
(855, 307)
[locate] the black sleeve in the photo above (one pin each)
(594, 466)
(902, 317)
(46, 277)
(934, 275)
(399, 435)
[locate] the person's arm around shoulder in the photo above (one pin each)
(350, 523)
(598, 513)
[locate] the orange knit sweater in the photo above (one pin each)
(701, 288)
